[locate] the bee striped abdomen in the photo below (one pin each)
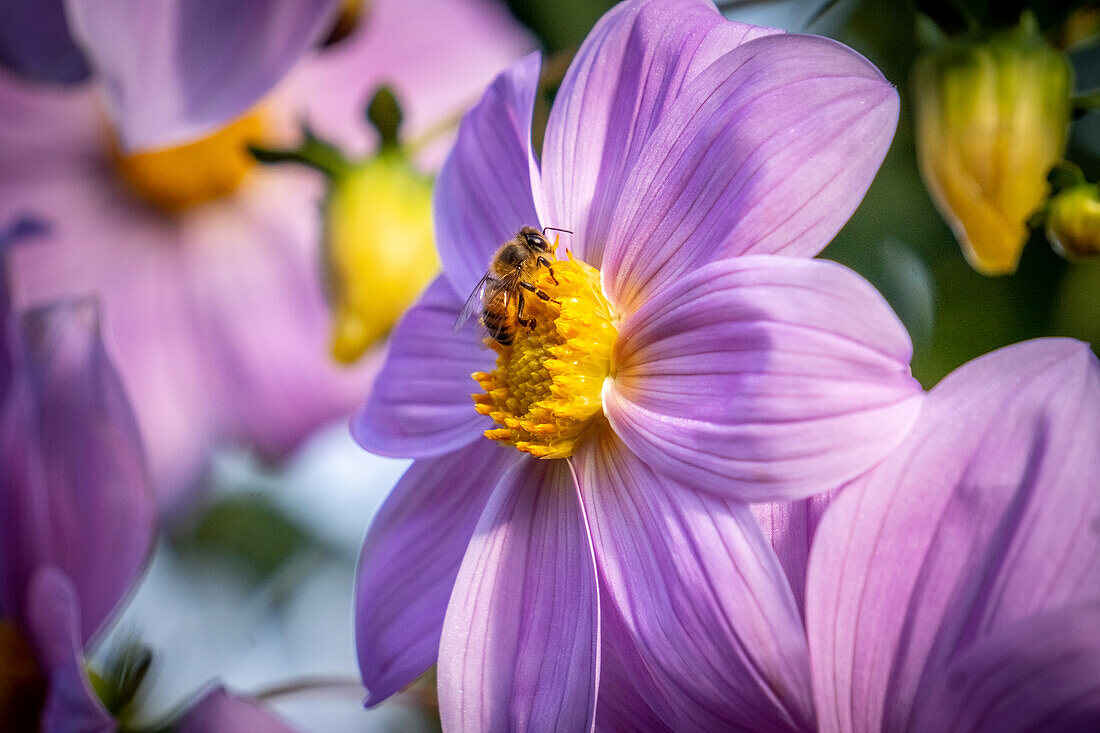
(498, 319)
(499, 327)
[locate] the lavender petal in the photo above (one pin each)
(520, 647)
(763, 378)
(411, 558)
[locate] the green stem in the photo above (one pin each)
(1085, 103)
(315, 153)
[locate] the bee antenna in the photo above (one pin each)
(555, 229)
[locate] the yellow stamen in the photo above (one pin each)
(178, 178)
(546, 389)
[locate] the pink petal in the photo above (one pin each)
(716, 635)
(768, 151)
(421, 404)
(763, 378)
(520, 648)
(489, 187)
(219, 711)
(176, 69)
(75, 494)
(620, 86)
(983, 518)
(411, 558)
(1037, 674)
(54, 612)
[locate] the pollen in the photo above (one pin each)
(545, 391)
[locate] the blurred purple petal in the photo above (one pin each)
(789, 526)
(628, 73)
(520, 648)
(983, 518)
(53, 610)
(177, 69)
(76, 493)
(35, 42)
(701, 593)
(14, 232)
(767, 151)
(261, 316)
(219, 711)
(489, 187)
(217, 315)
(438, 55)
(410, 560)
(763, 378)
(1037, 674)
(420, 405)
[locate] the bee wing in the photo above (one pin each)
(474, 302)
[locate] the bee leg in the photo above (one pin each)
(538, 292)
(543, 261)
(529, 323)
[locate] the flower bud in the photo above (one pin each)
(991, 121)
(1073, 221)
(379, 248)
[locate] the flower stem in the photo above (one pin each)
(310, 684)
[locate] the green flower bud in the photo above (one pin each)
(991, 120)
(379, 248)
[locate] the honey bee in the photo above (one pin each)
(499, 293)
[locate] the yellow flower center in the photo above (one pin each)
(545, 392)
(178, 178)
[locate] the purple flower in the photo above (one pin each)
(957, 585)
(76, 514)
(76, 520)
(691, 359)
(214, 297)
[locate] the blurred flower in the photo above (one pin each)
(77, 512)
(171, 69)
(1073, 221)
(991, 118)
(956, 586)
(206, 266)
(77, 526)
(698, 163)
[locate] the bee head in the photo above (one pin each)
(535, 240)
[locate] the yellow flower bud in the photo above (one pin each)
(991, 121)
(379, 248)
(1073, 221)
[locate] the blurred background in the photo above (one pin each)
(252, 579)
